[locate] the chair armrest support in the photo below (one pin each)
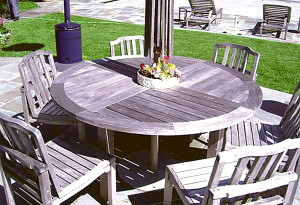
(231, 191)
(27, 161)
(285, 23)
(210, 14)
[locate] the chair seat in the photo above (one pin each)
(75, 163)
(273, 26)
(253, 133)
(202, 19)
(196, 174)
(53, 112)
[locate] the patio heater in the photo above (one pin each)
(68, 39)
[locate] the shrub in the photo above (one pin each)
(5, 33)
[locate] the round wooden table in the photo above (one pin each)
(209, 98)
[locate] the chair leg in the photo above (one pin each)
(9, 193)
(260, 30)
(168, 191)
(108, 185)
(112, 184)
(45, 188)
(285, 34)
(186, 23)
(299, 25)
(106, 140)
(81, 131)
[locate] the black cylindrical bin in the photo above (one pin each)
(68, 42)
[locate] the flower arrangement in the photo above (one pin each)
(164, 69)
(4, 33)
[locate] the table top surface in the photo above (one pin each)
(106, 94)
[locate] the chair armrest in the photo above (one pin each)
(220, 12)
(231, 191)
(25, 160)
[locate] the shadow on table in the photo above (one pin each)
(129, 68)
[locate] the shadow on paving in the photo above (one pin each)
(24, 47)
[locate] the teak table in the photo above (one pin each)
(209, 98)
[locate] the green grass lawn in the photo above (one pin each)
(279, 66)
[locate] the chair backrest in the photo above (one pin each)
(203, 8)
(237, 57)
(290, 122)
(256, 168)
(276, 14)
(37, 71)
(19, 137)
(130, 46)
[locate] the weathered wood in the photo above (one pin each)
(203, 12)
(276, 18)
(159, 28)
(154, 152)
(107, 96)
(221, 180)
(215, 143)
(128, 46)
(254, 133)
(38, 71)
(238, 52)
(54, 171)
(99, 99)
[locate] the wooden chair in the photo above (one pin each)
(276, 18)
(229, 178)
(37, 71)
(130, 46)
(203, 12)
(255, 133)
(237, 57)
(49, 172)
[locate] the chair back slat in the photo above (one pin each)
(238, 60)
(37, 71)
(232, 59)
(28, 140)
(238, 171)
(290, 122)
(291, 163)
(276, 13)
(202, 8)
(254, 164)
(238, 52)
(254, 170)
(130, 46)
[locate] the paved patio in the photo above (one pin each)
(178, 148)
(248, 14)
